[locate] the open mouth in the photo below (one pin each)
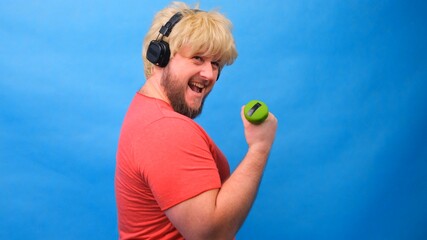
(196, 87)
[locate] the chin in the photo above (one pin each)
(194, 104)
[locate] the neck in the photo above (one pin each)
(153, 89)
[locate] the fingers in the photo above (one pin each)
(242, 115)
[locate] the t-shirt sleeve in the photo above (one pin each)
(175, 160)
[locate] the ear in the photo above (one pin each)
(156, 73)
(156, 70)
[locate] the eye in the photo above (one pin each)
(198, 59)
(215, 64)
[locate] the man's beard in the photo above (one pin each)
(176, 95)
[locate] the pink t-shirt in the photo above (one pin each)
(163, 159)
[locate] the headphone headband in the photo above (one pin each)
(166, 29)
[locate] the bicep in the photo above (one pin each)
(195, 218)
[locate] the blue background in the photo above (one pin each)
(346, 79)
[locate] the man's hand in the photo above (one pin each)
(260, 137)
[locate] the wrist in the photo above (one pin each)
(261, 150)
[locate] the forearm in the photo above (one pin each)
(238, 193)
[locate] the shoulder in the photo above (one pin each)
(172, 138)
(175, 127)
(153, 116)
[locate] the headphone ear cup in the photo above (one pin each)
(166, 53)
(158, 53)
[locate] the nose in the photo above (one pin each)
(208, 72)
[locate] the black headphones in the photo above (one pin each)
(158, 51)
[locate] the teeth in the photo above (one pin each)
(199, 85)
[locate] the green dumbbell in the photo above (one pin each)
(256, 111)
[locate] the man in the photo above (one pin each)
(172, 181)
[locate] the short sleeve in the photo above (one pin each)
(175, 160)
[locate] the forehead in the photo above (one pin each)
(191, 51)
